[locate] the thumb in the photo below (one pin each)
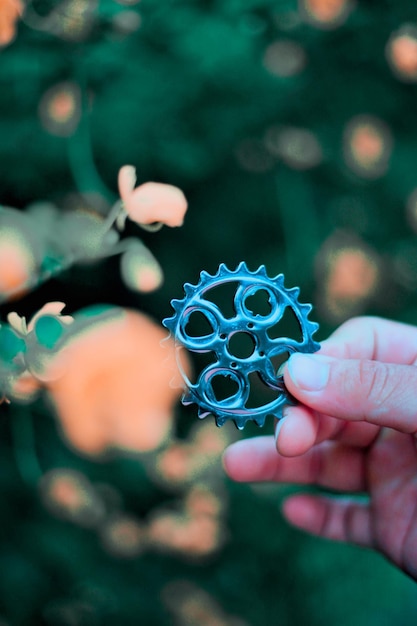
(355, 389)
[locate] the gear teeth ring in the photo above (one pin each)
(226, 364)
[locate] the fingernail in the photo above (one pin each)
(309, 372)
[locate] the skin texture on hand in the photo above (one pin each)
(354, 431)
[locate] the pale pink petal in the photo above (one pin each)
(140, 270)
(18, 263)
(17, 322)
(50, 308)
(156, 202)
(126, 181)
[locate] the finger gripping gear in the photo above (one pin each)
(219, 338)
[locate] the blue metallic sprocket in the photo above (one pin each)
(225, 364)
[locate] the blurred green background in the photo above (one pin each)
(291, 128)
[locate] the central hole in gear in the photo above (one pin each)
(241, 345)
(224, 387)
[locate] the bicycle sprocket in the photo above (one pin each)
(225, 363)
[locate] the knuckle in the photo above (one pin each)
(386, 388)
(360, 321)
(374, 380)
(357, 335)
(325, 524)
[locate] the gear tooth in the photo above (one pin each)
(204, 277)
(189, 289)
(306, 307)
(261, 271)
(314, 327)
(239, 424)
(278, 280)
(169, 323)
(242, 267)
(222, 270)
(220, 421)
(295, 292)
(177, 305)
(261, 421)
(187, 398)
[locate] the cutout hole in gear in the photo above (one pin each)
(278, 361)
(223, 297)
(259, 394)
(224, 387)
(198, 325)
(287, 326)
(258, 303)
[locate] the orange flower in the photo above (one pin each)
(69, 494)
(123, 536)
(115, 384)
(191, 605)
(10, 12)
(184, 462)
(326, 13)
(201, 500)
(18, 262)
(354, 275)
(60, 108)
(349, 273)
(194, 536)
(367, 146)
(401, 53)
(176, 463)
(150, 202)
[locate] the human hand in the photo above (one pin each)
(354, 431)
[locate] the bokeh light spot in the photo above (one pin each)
(60, 109)
(367, 146)
(401, 53)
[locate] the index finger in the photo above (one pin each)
(329, 464)
(373, 338)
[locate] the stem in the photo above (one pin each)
(299, 221)
(23, 435)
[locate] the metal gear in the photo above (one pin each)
(225, 363)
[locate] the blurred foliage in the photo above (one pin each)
(209, 95)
